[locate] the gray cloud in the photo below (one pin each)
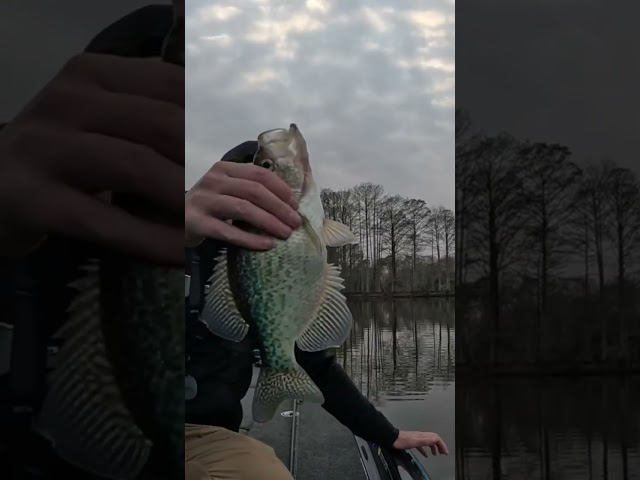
(564, 72)
(371, 86)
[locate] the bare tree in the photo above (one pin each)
(449, 232)
(369, 197)
(466, 144)
(396, 232)
(377, 197)
(436, 232)
(548, 178)
(417, 216)
(593, 191)
(495, 217)
(624, 218)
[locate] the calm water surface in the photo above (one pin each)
(584, 429)
(401, 355)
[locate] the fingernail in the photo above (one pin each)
(285, 232)
(295, 219)
(269, 243)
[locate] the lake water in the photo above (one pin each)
(401, 355)
(583, 429)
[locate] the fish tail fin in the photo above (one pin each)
(276, 386)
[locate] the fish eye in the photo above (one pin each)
(267, 163)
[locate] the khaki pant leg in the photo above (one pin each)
(195, 471)
(225, 455)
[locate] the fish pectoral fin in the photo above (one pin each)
(220, 313)
(336, 234)
(315, 240)
(333, 322)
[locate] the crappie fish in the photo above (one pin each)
(288, 295)
(116, 394)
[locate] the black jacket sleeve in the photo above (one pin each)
(344, 401)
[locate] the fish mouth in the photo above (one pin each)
(271, 145)
(282, 142)
(274, 135)
(278, 134)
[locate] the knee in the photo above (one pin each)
(264, 464)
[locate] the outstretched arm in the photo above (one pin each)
(344, 401)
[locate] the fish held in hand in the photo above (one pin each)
(115, 400)
(288, 295)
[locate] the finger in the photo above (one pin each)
(423, 451)
(265, 177)
(95, 162)
(84, 217)
(259, 195)
(227, 207)
(433, 450)
(155, 124)
(219, 230)
(148, 78)
(442, 447)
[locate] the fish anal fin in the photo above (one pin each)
(220, 313)
(274, 387)
(336, 234)
(332, 324)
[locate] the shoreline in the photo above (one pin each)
(365, 295)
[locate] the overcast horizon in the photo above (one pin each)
(371, 87)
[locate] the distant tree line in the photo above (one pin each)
(547, 246)
(405, 247)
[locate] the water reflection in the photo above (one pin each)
(585, 429)
(401, 355)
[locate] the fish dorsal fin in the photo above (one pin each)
(84, 414)
(220, 313)
(332, 323)
(336, 234)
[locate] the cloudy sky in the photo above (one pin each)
(370, 84)
(564, 72)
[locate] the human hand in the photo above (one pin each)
(245, 192)
(421, 440)
(104, 124)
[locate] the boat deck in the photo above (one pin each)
(326, 449)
